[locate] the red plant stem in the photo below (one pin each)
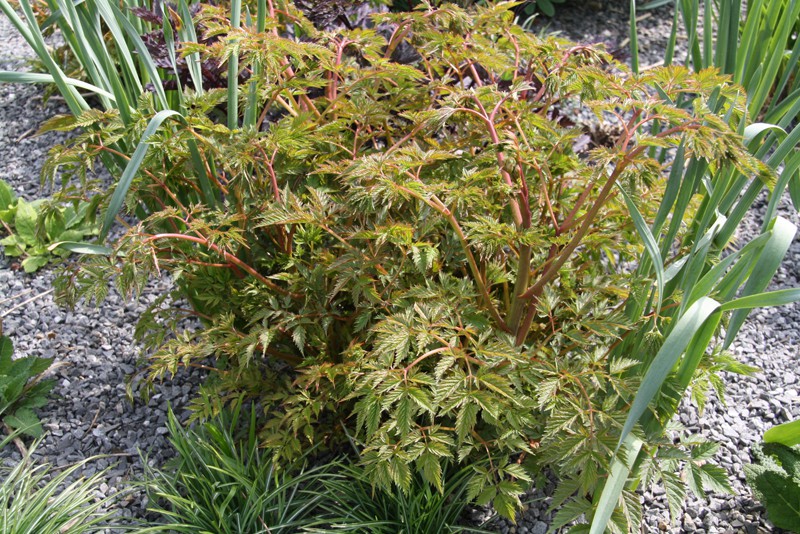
(334, 75)
(396, 38)
(488, 119)
(437, 205)
(229, 258)
(535, 291)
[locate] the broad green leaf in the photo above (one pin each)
(31, 264)
(6, 350)
(26, 421)
(7, 196)
(25, 222)
(781, 496)
(786, 434)
(14, 246)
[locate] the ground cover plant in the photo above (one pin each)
(36, 498)
(42, 230)
(221, 482)
(423, 254)
(22, 388)
(353, 504)
(776, 484)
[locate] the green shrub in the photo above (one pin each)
(418, 252)
(220, 482)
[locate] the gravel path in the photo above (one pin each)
(89, 413)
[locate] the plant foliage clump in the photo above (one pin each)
(22, 388)
(422, 253)
(36, 229)
(775, 480)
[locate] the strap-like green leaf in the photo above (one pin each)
(650, 245)
(82, 248)
(121, 190)
(767, 265)
(37, 77)
(780, 297)
(787, 434)
(666, 358)
(620, 469)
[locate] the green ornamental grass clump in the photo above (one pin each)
(221, 482)
(35, 497)
(425, 255)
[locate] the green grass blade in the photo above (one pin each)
(612, 489)
(650, 244)
(79, 247)
(785, 112)
(187, 33)
(787, 434)
(233, 70)
(709, 281)
(794, 180)
(35, 39)
(107, 64)
(708, 32)
(698, 258)
(83, 49)
(780, 297)
(145, 60)
(695, 352)
(202, 175)
(35, 77)
(666, 358)
(634, 41)
(783, 233)
(127, 63)
(121, 190)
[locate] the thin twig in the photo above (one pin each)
(24, 302)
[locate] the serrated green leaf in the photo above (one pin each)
(7, 196)
(431, 470)
(31, 264)
(675, 492)
(25, 421)
(715, 478)
(25, 222)
(506, 505)
(781, 497)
